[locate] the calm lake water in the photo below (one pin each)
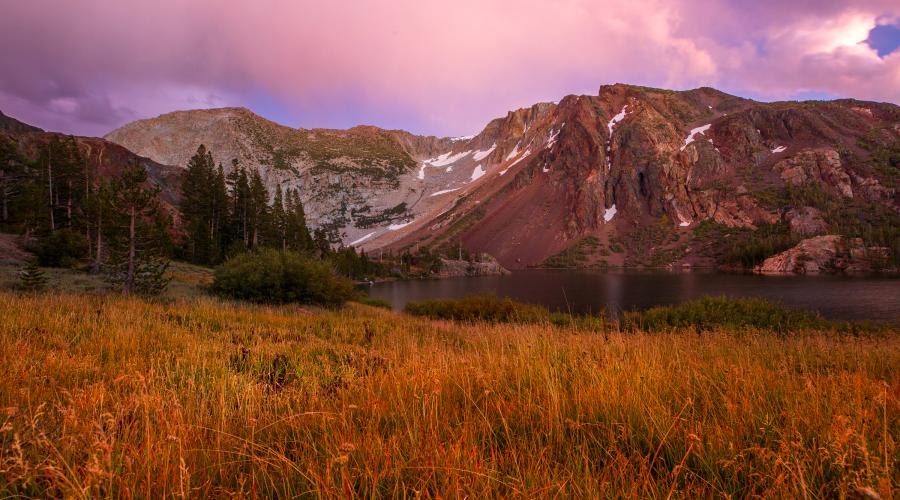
(587, 292)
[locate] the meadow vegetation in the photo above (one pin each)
(111, 396)
(273, 276)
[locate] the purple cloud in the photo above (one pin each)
(89, 66)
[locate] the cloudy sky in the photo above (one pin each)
(430, 67)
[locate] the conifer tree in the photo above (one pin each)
(12, 175)
(31, 277)
(239, 185)
(137, 260)
(259, 208)
(196, 205)
(279, 219)
(321, 243)
(220, 214)
(297, 231)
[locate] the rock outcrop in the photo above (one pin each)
(485, 265)
(826, 254)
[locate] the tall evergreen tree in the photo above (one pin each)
(13, 174)
(220, 215)
(259, 208)
(239, 185)
(279, 220)
(197, 206)
(296, 229)
(137, 261)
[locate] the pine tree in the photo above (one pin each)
(297, 231)
(31, 277)
(95, 208)
(321, 243)
(137, 261)
(259, 208)
(196, 205)
(219, 223)
(12, 175)
(279, 219)
(239, 185)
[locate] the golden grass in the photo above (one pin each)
(115, 397)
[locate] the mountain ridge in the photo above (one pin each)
(552, 178)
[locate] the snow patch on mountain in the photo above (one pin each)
(779, 149)
(609, 213)
(512, 154)
(699, 130)
(480, 155)
(551, 141)
(477, 173)
(511, 165)
(612, 126)
(616, 119)
(441, 161)
(395, 227)
(445, 159)
(364, 238)
(445, 191)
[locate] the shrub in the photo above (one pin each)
(279, 277)
(717, 312)
(370, 301)
(486, 308)
(31, 277)
(61, 248)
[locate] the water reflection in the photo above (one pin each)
(590, 292)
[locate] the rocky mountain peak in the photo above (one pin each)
(632, 168)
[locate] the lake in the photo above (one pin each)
(873, 298)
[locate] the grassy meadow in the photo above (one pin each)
(107, 396)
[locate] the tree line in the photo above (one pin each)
(224, 215)
(69, 213)
(73, 215)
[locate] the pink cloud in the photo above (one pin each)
(433, 67)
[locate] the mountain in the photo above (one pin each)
(350, 180)
(638, 176)
(632, 176)
(11, 125)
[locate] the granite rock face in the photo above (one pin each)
(826, 254)
(484, 265)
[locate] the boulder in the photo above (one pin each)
(827, 254)
(810, 256)
(484, 265)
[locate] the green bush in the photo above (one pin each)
(279, 277)
(486, 308)
(61, 248)
(721, 312)
(369, 301)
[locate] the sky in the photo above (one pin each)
(436, 68)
